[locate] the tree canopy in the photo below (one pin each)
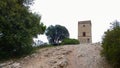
(56, 33)
(111, 44)
(17, 27)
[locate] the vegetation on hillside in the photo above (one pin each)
(69, 41)
(17, 28)
(111, 45)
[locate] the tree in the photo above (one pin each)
(115, 24)
(56, 33)
(17, 28)
(111, 45)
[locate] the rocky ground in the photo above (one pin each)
(69, 56)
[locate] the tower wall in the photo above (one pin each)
(84, 31)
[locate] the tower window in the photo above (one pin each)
(83, 25)
(84, 34)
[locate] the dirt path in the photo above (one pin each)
(69, 56)
(87, 56)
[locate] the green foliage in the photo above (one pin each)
(111, 45)
(69, 41)
(17, 27)
(56, 33)
(27, 2)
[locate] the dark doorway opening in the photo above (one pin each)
(84, 34)
(88, 40)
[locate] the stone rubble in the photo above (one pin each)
(10, 65)
(69, 56)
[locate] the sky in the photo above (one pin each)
(68, 12)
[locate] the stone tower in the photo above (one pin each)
(84, 31)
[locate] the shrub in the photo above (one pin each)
(69, 41)
(111, 46)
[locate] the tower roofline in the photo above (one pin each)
(84, 22)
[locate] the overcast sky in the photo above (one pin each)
(69, 12)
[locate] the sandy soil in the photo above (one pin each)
(69, 56)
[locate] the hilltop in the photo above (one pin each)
(68, 56)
